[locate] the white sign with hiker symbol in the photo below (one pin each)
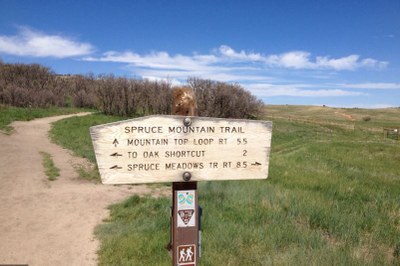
(187, 254)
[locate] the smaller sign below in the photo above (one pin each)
(186, 208)
(186, 255)
(186, 216)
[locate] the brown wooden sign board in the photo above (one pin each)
(161, 148)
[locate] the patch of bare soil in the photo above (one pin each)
(347, 116)
(46, 222)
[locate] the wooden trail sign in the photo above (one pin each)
(163, 148)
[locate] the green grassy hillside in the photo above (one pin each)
(351, 118)
(332, 198)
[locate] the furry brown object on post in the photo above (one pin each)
(184, 102)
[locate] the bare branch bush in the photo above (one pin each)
(34, 85)
(31, 85)
(220, 99)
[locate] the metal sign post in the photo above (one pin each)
(184, 227)
(185, 224)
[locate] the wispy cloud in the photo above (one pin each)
(298, 90)
(227, 52)
(251, 69)
(255, 71)
(362, 105)
(227, 59)
(218, 66)
(303, 60)
(374, 86)
(29, 42)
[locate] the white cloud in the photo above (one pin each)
(297, 90)
(372, 63)
(173, 82)
(226, 64)
(252, 70)
(363, 105)
(29, 42)
(162, 65)
(229, 53)
(350, 62)
(376, 106)
(295, 59)
(158, 60)
(302, 60)
(255, 71)
(375, 86)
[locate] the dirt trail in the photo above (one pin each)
(48, 222)
(347, 116)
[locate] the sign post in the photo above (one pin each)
(185, 234)
(184, 226)
(182, 149)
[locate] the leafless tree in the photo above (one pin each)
(37, 86)
(220, 99)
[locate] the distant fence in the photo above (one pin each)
(348, 126)
(388, 132)
(392, 133)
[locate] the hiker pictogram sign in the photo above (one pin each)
(186, 255)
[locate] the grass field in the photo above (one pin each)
(332, 197)
(349, 118)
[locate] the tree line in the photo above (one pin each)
(34, 85)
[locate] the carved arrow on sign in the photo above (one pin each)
(115, 167)
(115, 142)
(256, 164)
(115, 154)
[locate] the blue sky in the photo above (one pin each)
(338, 53)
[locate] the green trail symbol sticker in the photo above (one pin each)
(185, 199)
(186, 211)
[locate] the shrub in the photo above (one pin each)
(366, 118)
(219, 99)
(33, 85)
